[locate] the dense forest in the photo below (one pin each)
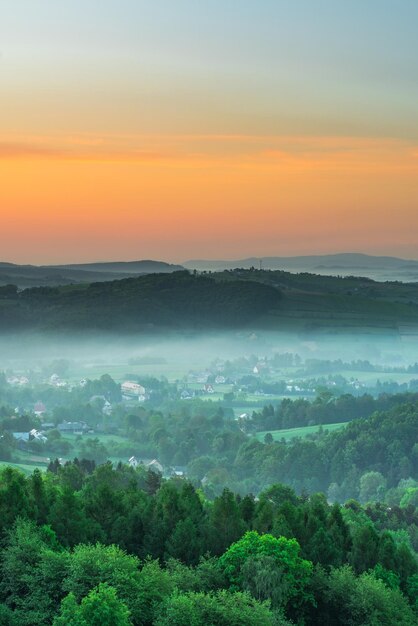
(118, 546)
(178, 300)
(382, 447)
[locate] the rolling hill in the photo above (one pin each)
(265, 300)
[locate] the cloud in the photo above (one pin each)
(77, 148)
(218, 150)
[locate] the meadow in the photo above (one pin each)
(305, 431)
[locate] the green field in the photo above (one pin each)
(104, 438)
(291, 433)
(24, 467)
(124, 371)
(28, 461)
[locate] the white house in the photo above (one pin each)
(35, 434)
(130, 388)
(155, 466)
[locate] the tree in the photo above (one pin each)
(284, 554)
(226, 522)
(7, 616)
(70, 614)
(185, 543)
(361, 601)
(222, 609)
(38, 495)
(412, 591)
(372, 486)
(278, 494)
(101, 607)
(92, 565)
(264, 580)
(14, 500)
(32, 573)
(68, 519)
(140, 589)
(364, 553)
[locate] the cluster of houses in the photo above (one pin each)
(72, 428)
(32, 435)
(17, 381)
(56, 381)
(188, 394)
(204, 376)
(155, 466)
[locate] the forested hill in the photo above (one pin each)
(269, 300)
(166, 301)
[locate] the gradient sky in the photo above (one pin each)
(176, 129)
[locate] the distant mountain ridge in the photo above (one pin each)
(133, 267)
(379, 268)
(53, 275)
(347, 263)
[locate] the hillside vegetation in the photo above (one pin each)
(261, 299)
(178, 300)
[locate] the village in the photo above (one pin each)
(55, 414)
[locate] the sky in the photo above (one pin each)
(207, 129)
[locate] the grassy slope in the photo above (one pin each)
(291, 433)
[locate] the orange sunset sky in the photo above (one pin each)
(176, 130)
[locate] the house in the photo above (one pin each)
(107, 408)
(186, 394)
(39, 408)
(21, 436)
(154, 466)
(220, 380)
(76, 428)
(132, 389)
(37, 436)
(133, 462)
(47, 426)
(208, 388)
(178, 470)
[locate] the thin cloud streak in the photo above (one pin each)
(234, 149)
